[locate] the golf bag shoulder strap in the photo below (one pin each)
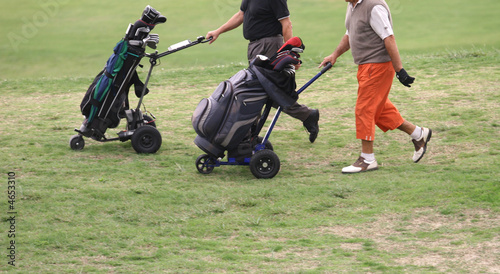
(95, 102)
(138, 85)
(109, 75)
(283, 94)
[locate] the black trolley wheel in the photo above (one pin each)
(146, 139)
(265, 164)
(205, 164)
(76, 142)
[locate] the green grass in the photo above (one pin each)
(108, 209)
(56, 38)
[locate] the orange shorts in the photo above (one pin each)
(373, 107)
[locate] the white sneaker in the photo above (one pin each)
(421, 144)
(361, 165)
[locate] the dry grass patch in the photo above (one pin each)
(426, 238)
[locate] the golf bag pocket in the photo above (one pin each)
(244, 112)
(200, 116)
(211, 111)
(87, 101)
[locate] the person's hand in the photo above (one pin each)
(328, 59)
(214, 34)
(404, 78)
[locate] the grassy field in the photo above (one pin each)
(108, 209)
(60, 38)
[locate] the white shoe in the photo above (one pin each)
(421, 144)
(361, 165)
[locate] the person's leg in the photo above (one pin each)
(267, 46)
(408, 127)
(370, 99)
(308, 116)
(298, 111)
(367, 147)
(420, 137)
(374, 86)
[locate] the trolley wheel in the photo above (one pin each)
(76, 142)
(268, 144)
(146, 139)
(148, 120)
(264, 164)
(205, 164)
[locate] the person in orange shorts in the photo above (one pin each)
(370, 37)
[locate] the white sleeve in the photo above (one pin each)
(380, 23)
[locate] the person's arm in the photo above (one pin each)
(286, 24)
(341, 49)
(235, 21)
(392, 49)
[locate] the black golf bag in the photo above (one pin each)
(224, 119)
(106, 100)
(232, 117)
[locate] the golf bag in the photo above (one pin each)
(224, 119)
(230, 119)
(106, 99)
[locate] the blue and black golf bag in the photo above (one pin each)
(106, 100)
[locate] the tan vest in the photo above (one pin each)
(366, 45)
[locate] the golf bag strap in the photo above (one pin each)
(95, 102)
(284, 98)
(138, 85)
(108, 74)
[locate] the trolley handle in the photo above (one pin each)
(327, 67)
(180, 46)
(278, 112)
(202, 39)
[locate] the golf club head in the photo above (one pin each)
(152, 40)
(152, 17)
(141, 31)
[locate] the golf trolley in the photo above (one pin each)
(106, 101)
(255, 151)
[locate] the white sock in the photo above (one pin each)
(417, 133)
(368, 157)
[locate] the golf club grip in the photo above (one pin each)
(327, 67)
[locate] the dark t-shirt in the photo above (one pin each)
(262, 18)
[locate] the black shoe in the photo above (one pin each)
(312, 126)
